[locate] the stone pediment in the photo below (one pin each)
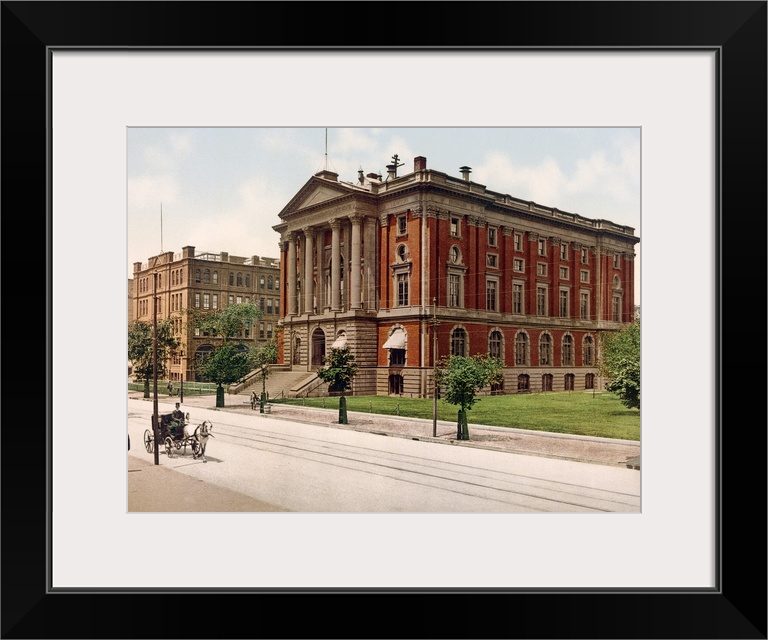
(316, 191)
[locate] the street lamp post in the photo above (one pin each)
(434, 366)
(154, 367)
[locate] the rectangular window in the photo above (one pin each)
(517, 298)
(490, 295)
(455, 227)
(563, 273)
(541, 301)
(584, 256)
(563, 251)
(261, 305)
(239, 299)
(277, 306)
(197, 331)
(616, 261)
(269, 330)
(215, 301)
(564, 304)
(616, 310)
(269, 305)
(492, 260)
(541, 268)
(584, 276)
(519, 265)
(454, 291)
(261, 330)
(231, 300)
(402, 225)
(518, 242)
(543, 247)
(197, 301)
(492, 236)
(206, 301)
(584, 305)
(402, 289)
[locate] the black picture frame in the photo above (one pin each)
(735, 609)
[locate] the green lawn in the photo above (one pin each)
(582, 413)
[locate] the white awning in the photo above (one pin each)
(340, 341)
(396, 340)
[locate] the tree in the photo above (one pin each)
(462, 378)
(340, 368)
(226, 364)
(620, 363)
(230, 361)
(140, 352)
(262, 356)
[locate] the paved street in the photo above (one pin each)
(298, 460)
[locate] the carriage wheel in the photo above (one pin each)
(169, 447)
(148, 441)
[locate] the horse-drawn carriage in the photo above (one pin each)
(177, 433)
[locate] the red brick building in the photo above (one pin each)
(391, 261)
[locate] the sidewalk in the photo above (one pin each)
(625, 453)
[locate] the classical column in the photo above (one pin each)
(320, 301)
(309, 269)
(291, 273)
(335, 265)
(355, 262)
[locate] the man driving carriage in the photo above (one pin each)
(177, 420)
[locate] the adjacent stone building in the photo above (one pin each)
(205, 281)
(405, 269)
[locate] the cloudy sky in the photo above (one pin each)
(221, 189)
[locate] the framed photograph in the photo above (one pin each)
(690, 76)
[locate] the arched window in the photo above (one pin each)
(248, 280)
(589, 381)
(206, 276)
(569, 380)
(523, 383)
(546, 382)
(459, 342)
(567, 350)
(277, 282)
(494, 345)
(215, 277)
(545, 349)
(269, 282)
(231, 279)
(297, 351)
(239, 279)
(588, 352)
(261, 282)
(197, 275)
(521, 349)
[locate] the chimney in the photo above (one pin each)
(391, 171)
(465, 171)
(360, 177)
(419, 164)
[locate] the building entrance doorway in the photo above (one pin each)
(318, 347)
